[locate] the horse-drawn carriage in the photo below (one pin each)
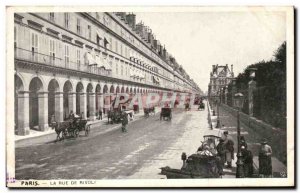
(202, 164)
(71, 128)
(166, 112)
(201, 106)
(148, 111)
(114, 115)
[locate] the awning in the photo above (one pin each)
(106, 64)
(90, 59)
(99, 34)
(100, 64)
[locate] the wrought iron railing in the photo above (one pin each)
(32, 56)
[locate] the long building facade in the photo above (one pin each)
(67, 62)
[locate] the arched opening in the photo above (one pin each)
(118, 89)
(130, 91)
(68, 99)
(89, 91)
(134, 91)
(105, 98)
(122, 89)
(112, 89)
(36, 106)
(53, 101)
(19, 106)
(79, 95)
(127, 90)
(98, 91)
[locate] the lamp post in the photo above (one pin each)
(238, 102)
(218, 111)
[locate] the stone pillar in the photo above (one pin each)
(92, 107)
(59, 106)
(251, 88)
(72, 102)
(43, 111)
(83, 105)
(23, 113)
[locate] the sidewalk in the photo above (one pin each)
(252, 139)
(35, 133)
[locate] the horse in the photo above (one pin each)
(61, 128)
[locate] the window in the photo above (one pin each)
(90, 32)
(67, 56)
(126, 73)
(121, 48)
(51, 16)
(116, 46)
(52, 51)
(117, 69)
(34, 46)
(78, 57)
(78, 26)
(67, 20)
(121, 70)
(126, 52)
(110, 45)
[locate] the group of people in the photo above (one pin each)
(225, 155)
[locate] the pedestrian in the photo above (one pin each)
(71, 116)
(100, 114)
(229, 145)
(264, 159)
(247, 159)
(243, 141)
(221, 156)
(124, 121)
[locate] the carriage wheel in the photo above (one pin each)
(76, 133)
(87, 130)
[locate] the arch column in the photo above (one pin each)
(23, 113)
(83, 105)
(72, 102)
(43, 111)
(92, 106)
(59, 106)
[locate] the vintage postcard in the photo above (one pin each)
(150, 97)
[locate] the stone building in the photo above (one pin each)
(67, 61)
(220, 77)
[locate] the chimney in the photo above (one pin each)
(213, 67)
(131, 20)
(231, 68)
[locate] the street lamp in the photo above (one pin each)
(238, 102)
(218, 111)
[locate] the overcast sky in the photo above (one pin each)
(199, 40)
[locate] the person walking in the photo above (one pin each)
(124, 121)
(229, 145)
(264, 159)
(221, 157)
(247, 158)
(100, 114)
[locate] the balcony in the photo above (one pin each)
(36, 57)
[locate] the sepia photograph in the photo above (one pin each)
(150, 96)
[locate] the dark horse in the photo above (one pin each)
(61, 128)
